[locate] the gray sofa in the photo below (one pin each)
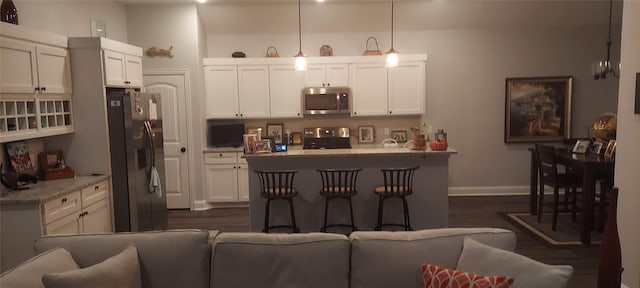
(202, 259)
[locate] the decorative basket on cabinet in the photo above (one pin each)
(372, 52)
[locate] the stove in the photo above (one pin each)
(326, 138)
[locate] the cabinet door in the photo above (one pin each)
(18, 66)
(243, 182)
(114, 68)
(285, 86)
(221, 183)
(70, 224)
(133, 71)
(96, 218)
(253, 91)
(315, 75)
(407, 89)
(369, 88)
(337, 75)
(221, 91)
(54, 71)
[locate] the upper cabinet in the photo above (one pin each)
(379, 91)
(325, 75)
(122, 70)
(271, 87)
(35, 84)
(28, 67)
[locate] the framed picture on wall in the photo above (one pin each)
(274, 131)
(399, 135)
(366, 134)
(537, 109)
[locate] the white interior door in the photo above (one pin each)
(172, 87)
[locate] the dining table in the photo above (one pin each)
(592, 166)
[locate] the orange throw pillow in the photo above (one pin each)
(438, 277)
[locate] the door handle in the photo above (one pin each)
(183, 149)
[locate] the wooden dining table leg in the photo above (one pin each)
(533, 193)
(588, 197)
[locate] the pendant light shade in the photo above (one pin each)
(392, 54)
(602, 68)
(301, 61)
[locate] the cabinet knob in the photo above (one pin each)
(183, 149)
(236, 114)
(64, 200)
(355, 113)
(328, 84)
(298, 114)
(37, 88)
(127, 82)
(96, 187)
(43, 88)
(220, 155)
(240, 114)
(390, 111)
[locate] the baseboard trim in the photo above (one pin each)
(623, 286)
(489, 191)
(203, 205)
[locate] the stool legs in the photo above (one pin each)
(405, 217)
(380, 210)
(326, 213)
(293, 226)
(266, 216)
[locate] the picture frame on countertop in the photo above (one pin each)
(537, 109)
(581, 146)
(366, 134)
(262, 146)
(637, 105)
(611, 149)
(275, 132)
(598, 147)
(297, 138)
(249, 140)
(399, 135)
(255, 130)
(19, 157)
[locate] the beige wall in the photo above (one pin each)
(628, 147)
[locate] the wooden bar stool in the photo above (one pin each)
(275, 185)
(398, 183)
(338, 184)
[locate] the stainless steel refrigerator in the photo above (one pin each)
(137, 160)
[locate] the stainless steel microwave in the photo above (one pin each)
(326, 100)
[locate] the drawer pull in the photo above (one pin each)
(64, 200)
(96, 187)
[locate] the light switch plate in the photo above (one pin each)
(98, 28)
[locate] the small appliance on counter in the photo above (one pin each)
(326, 138)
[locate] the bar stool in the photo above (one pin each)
(338, 184)
(278, 185)
(398, 183)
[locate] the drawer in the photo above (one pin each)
(241, 160)
(221, 158)
(95, 193)
(61, 206)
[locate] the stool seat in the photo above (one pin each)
(338, 184)
(398, 183)
(278, 185)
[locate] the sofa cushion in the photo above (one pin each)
(438, 277)
(121, 270)
(280, 260)
(29, 274)
(394, 259)
(173, 258)
(528, 273)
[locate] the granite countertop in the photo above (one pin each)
(45, 190)
(351, 152)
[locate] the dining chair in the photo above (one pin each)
(550, 176)
(398, 183)
(277, 185)
(338, 184)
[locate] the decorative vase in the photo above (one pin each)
(610, 260)
(419, 141)
(9, 12)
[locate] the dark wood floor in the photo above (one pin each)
(463, 212)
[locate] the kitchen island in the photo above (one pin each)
(428, 205)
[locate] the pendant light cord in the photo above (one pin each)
(609, 39)
(299, 27)
(391, 24)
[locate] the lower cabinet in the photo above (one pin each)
(85, 211)
(226, 177)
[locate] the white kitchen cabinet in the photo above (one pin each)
(380, 91)
(369, 88)
(325, 75)
(122, 70)
(85, 211)
(253, 91)
(407, 88)
(285, 86)
(226, 177)
(221, 91)
(28, 67)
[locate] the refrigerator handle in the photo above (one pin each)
(147, 127)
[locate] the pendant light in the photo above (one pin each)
(600, 69)
(392, 55)
(301, 61)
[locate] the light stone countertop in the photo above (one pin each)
(350, 152)
(45, 190)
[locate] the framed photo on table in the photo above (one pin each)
(275, 132)
(297, 138)
(581, 146)
(366, 134)
(537, 109)
(399, 135)
(598, 147)
(262, 146)
(611, 149)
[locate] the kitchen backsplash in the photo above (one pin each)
(395, 123)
